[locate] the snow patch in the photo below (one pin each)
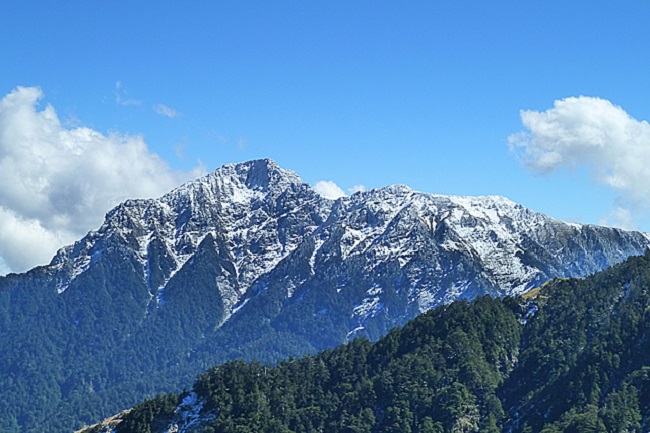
(187, 417)
(371, 306)
(352, 333)
(240, 306)
(530, 313)
(80, 266)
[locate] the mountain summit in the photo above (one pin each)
(250, 262)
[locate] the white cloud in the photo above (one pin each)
(165, 110)
(329, 189)
(57, 182)
(595, 134)
(332, 191)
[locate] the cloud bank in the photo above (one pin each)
(595, 134)
(56, 183)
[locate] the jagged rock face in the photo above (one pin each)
(422, 249)
(251, 262)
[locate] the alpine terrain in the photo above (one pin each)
(572, 356)
(250, 262)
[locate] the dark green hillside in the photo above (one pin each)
(586, 355)
(462, 351)
(573, 356)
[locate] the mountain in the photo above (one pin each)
(259, 227)
(571, 356)
(250, 262)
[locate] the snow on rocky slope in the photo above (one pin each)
(436, 248)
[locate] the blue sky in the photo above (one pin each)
(423, 93)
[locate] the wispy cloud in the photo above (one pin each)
(356, 188)
(595, 134)
(122, 96)
(57, 181)
(165, 111)
(619, 217)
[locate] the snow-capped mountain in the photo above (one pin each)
(267, 227)
(251, 262)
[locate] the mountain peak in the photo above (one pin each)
(259, 174)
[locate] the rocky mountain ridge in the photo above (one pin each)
(440, 248)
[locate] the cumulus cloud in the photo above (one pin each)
(165, 111)
(356, 188)
(329, 189)
(57, 182)
(595, 134)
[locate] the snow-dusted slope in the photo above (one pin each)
(435, 248)
(260, 211)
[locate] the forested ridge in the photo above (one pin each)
(572, 356)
